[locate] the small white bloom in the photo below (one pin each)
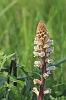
(48, 60)
(36, 48)
(49, 53)
(48, 44)
(47, 91)
(51, 68)
(45, 75)
(42, 54)
(47, 38)
(50, 50)
(38, 63)
(37, 42)
(36, 81)
(36, 38)
(36, 54)
(48, 72)
(35, 91)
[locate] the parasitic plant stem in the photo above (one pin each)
(41, 92)
(42, 50)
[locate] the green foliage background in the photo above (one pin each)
(18, 23)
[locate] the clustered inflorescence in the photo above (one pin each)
(42, 49)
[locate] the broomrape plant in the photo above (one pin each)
(42, 49)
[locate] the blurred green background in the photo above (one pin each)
(18, 23)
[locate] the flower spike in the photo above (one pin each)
(42, 49)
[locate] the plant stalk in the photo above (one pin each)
(41, 92)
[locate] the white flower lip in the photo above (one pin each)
(37, 42)
(47, 38)
(36, 53)
(38, 63)
(41, 54)
(48, 60)
(48, 50)
(51, 68)
(48, 44)
(35, 91)
(47, 91)
(36, 48)
(48, 72)
(45, 75)
(36, 81)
